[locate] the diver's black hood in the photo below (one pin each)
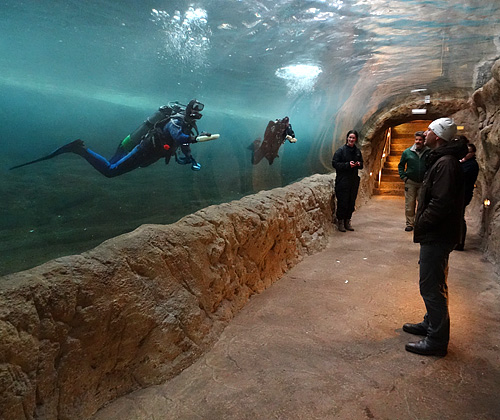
(457, 148)
(193, 110)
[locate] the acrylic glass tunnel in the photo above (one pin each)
(96, 70)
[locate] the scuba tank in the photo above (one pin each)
(164, 113)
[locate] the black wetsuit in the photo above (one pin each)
(274, 137)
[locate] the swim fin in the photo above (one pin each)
(67, 148)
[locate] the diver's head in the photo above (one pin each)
(286, 120)
(193, 110)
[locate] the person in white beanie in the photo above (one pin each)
(437, 228)
(443, 128)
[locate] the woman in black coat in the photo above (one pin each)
(347, 161)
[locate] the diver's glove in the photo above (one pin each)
(291, 139)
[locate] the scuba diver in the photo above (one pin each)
(172, 127)
(277, 132)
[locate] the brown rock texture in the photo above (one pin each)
(79, 331)
(486, 118)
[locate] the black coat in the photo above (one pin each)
(440, 204)
(471, 170)
(341, 162)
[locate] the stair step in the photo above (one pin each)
(391, 165)
(389, 171)
(392, 185)
(402, 140)
(409, 129)
(384, 191)
(399, 147)
(394, 158)
(391, 178)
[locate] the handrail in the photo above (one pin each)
(386, 152)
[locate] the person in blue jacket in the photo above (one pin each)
(160, 136)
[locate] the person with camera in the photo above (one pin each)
(347, 160)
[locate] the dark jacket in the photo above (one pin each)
(341, 162)
(440, 204)
(471, 170)
(412, 165)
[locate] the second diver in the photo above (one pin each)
(277, 132)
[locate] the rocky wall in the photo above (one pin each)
(485, 105)
(81, 330)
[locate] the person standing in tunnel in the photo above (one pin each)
(471, 170)
(347, 160)
(411, 169)
(438, 228)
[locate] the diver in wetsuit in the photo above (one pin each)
(158, 137)
(277, 132)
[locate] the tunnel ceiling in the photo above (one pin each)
(370, 49)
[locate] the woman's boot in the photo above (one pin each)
(340, 225)
(348, 225)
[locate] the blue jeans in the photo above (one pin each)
(434, 290)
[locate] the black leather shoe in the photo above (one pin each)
(425, 348)
(408, 228)
(348, 225)
(417, 329)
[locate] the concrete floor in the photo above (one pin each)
(325, 342)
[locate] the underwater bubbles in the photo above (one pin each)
(299, 77)
(186, 36)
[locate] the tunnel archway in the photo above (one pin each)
(396, 139)
(375, 130)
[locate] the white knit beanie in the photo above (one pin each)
(444, 128)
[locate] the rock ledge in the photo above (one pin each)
(79, 331)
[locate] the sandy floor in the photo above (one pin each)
(325, 342)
